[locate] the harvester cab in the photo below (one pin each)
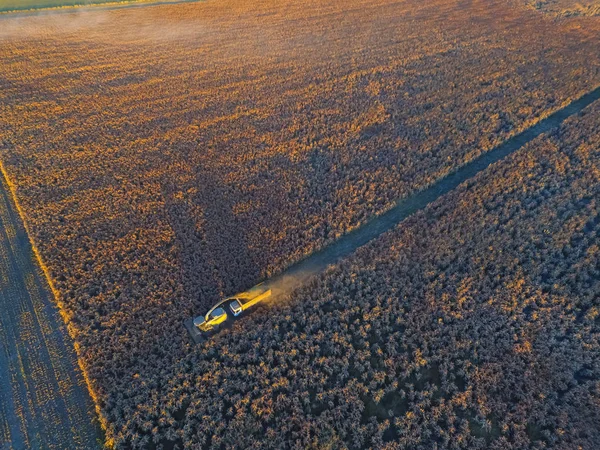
(236, 307)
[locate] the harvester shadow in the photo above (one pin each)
(215, 252)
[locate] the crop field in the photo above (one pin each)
(44, 402)
(318, 262)
(166, 157)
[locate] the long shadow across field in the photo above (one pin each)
(298, 273)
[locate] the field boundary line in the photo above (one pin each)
(60, 305)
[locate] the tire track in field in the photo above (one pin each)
(44, 402)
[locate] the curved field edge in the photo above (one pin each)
(56, 296)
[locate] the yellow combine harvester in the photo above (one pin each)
(234, 305)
